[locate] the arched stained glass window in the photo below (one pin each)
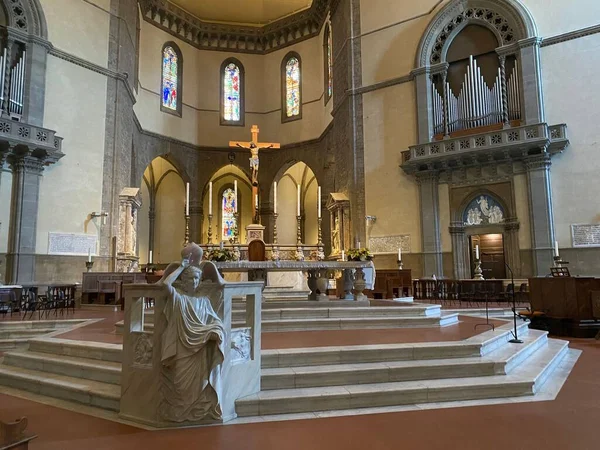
(232, 92)
(171, 79)
(228, 222)
(292, 87)
(327, 52)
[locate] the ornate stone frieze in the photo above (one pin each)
(490, 149)
(240, 345)
(22, 139)
(235, 38)
(541, 162)
(390, 244)
(142, 349)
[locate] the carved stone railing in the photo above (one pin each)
(22, 138)
(142, 350)
(490, 146)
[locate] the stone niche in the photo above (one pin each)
(129, 204)
(338, 206)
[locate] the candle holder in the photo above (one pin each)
(210, 216)
(400, 266)
(187, 230)
(478, 271)
(559, 262)
(236, 234)
(275, 250)
(89, 265)
(236, 252)
(299, 250)
(320, 249)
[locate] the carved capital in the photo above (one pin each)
(511, 224)
(456, 228)
(27, 164)
(428, 176)
(541, 162)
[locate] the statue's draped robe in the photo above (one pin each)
(192, 354)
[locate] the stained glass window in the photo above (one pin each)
(329, 68)
(232, 93)
(292, 87)
(228, 218)
(169, 78)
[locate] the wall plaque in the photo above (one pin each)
(71, 244)
(389, 244)
(586, 235)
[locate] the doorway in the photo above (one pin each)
(491, 253)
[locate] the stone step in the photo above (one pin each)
(479, 345)
(500, 361)
(89, 369)
(87, 392)
(324, 313)
(524, 380)
(11, 344)
(80, 349)
(24, 333)
(354, 323)
(36, 324)
(312, 304)
(99, 307)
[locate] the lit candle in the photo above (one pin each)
(555, 248)
(298, 212)
(275, 197)
(150, 257)
(477, 252)
(235, 194)
(319, 202)
(89, 255)
(399, 254)
(343, 255)
(358, 244)
(256, 202)
(210, 198)
(187, 199)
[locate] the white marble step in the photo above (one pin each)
(24, 333)
(11, 344)
(37, 324)
(498, 362)
(87, 392)
(354, 323)
(80, 349)
(356, 354)
(524, 380)
(89, 369)
(305, 303)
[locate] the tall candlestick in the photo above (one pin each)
(556, 248)
(318, 202)
(187, 199)
(210, 198)
(235, 195)
(298, 214)
(150, 257)
(274, 197)
(477, 252)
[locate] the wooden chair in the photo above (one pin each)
(257, 251)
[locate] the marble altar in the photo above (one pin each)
(129, 204)
(318, 274)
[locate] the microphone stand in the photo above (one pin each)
(515, 339)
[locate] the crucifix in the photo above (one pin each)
(254, 146)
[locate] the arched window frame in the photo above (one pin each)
(284, 116)
(327, 62)
(177, 50)
(240, 66)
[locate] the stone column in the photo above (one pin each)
(35, 83)
(196, 222)
(540, 212)
(504, 91)
(151, 226)
(531, 81)
(424, 104)
(129, 204)
(430, 229)
(460, 251)
(2, 159)
(511, 245)
(26, 172)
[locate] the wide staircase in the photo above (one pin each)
(17, 333)
(325, 379)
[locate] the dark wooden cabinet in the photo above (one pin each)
(392, 284)
(567, 304)
(105, 287)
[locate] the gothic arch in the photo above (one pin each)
(509, 20)
(27, 16)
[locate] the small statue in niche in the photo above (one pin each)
(193, 341)
(335, 235)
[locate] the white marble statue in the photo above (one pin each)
(335, 235)
(192, 345)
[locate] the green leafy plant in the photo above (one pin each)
(220, 255)
(359, 254)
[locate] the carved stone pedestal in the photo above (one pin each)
(129, 203)
(255, 231)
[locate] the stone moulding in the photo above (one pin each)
(22, 138)
(235, 38)
(492, 146)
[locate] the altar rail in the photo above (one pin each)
(469, 290)
(142, 350)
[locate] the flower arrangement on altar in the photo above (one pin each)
(220, 255)
(359, 254)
